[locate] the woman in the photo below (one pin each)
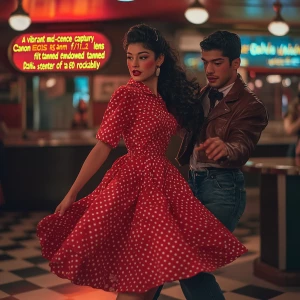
(140, 227)
(291, 125)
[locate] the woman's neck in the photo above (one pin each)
(152, 84)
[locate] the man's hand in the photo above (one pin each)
(214, 148)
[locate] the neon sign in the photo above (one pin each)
(60, 52)
(260, 51)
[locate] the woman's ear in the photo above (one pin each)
(160, 59)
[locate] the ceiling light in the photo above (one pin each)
(19, 19)
(278, 26)
(125, 0)
(196, 13)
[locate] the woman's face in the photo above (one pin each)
(141, 62)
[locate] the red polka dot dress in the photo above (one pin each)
(142, 226)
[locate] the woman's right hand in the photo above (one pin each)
(65, 204)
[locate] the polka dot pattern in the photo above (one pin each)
(141, 226)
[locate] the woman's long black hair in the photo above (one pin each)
(180, 94)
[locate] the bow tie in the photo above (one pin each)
(213, 96)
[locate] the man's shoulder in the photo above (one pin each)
(248, 96)
(249, 104)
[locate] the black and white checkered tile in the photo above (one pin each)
(24, 273)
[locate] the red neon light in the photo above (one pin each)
(60, 52)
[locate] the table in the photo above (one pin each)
(279, 260)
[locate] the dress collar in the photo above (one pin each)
(140, 85)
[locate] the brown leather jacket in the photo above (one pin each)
(238, 120)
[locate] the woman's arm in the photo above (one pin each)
(93, 162)
(291, 127)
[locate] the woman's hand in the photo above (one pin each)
(65, 203)
(91, 164)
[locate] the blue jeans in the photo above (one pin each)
(222, 191)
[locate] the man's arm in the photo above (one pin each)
(243, 135)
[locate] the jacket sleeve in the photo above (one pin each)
(244, 134)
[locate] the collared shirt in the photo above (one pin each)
(194, 164)
(206, 103)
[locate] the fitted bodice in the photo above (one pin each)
(141, 118)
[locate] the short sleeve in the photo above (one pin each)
(116, 118)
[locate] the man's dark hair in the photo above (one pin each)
(227, 42)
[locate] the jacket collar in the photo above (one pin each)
(222, 108)
(234, 92)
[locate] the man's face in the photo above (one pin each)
(219, 72)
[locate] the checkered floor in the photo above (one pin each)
(24, 273)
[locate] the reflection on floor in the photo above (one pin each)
(25, 275)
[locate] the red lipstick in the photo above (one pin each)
(136, 73)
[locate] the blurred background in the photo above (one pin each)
(49, 116)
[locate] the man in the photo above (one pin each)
(234, 121)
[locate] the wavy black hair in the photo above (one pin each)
(227, 42)
(180, 94)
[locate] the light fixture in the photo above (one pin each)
(126, 0)
(19, 19)
(196, 13)
(278, 26)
